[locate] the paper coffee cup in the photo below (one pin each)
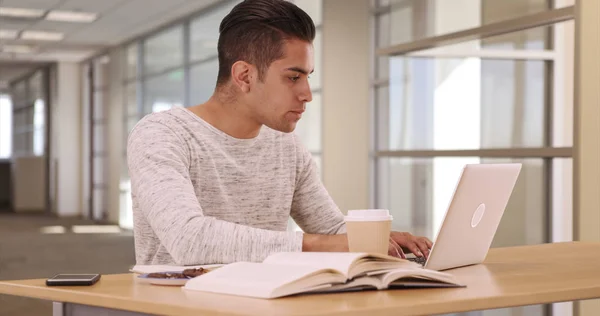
(368, 230)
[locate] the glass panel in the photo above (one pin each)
(309, 127)
(101, 72)
(99, 176)
(19, 121)
(38, 125)
(6, 115)
(417, 192)
(99, 106)
(99, 203)
(467, 103)
(164, 91)
(203, 79)
(19, 93)
(131, 121)
(29, 149)
(132, 60)
(99, 138)
(124, 170)
(164, 50)
(415, 19)
(314, 79)
(204, 32)
(36, 86)
(314, 8)
(562, 199)
(131, 98)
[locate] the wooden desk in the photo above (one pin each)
(510, 277)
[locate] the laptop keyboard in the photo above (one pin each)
(419, 260)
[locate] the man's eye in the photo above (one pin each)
(294, 79)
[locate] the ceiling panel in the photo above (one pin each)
(173, 13)
(30, 4)
(97, 6)
(53, 26)
(119, 21)
(12, 24)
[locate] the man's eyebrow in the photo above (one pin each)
(300, 70)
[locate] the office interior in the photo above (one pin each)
(397, 110)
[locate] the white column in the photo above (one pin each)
(562, 176)
(346, 101)
(586, 182)
(66, 139)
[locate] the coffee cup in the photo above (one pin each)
(368, 230)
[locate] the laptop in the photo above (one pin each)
(473, 216)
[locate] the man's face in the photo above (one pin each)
(279, 101)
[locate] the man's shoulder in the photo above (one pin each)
(171, 117)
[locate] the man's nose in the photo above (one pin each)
(306, 95)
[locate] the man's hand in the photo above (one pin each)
(401, 243)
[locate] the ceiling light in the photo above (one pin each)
(17, 49)
(21, 13)
(42, 36)
(71, 16)
(8, 34)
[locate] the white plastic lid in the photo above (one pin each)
(368, 216)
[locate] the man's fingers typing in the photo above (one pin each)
(422, 244)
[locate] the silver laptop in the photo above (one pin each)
(473, 215)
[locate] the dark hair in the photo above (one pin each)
(255, 30)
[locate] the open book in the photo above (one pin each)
(289, 273)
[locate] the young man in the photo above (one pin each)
(217, 182)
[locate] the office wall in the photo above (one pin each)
(346, 101)
(29, 183)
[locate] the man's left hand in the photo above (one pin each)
(407, 243)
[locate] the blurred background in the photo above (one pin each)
(387, 128)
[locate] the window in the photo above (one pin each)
(29, 115)
(309, 128)
(163, 50)
(479, 101)
(203, 79)
(164, 92)
(6, 113)
(204, 33)
(38, 127)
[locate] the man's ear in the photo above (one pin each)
(243, 75)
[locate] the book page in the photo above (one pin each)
(339, 261)
(260, 280)
(424, 274)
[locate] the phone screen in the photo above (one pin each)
(74, 277)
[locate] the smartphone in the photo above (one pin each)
(73, 279)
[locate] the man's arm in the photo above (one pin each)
(313, 209)
(161, 186)
(316, 213)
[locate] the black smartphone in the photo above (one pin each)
(73, 279)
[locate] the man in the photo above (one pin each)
(217, 182)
